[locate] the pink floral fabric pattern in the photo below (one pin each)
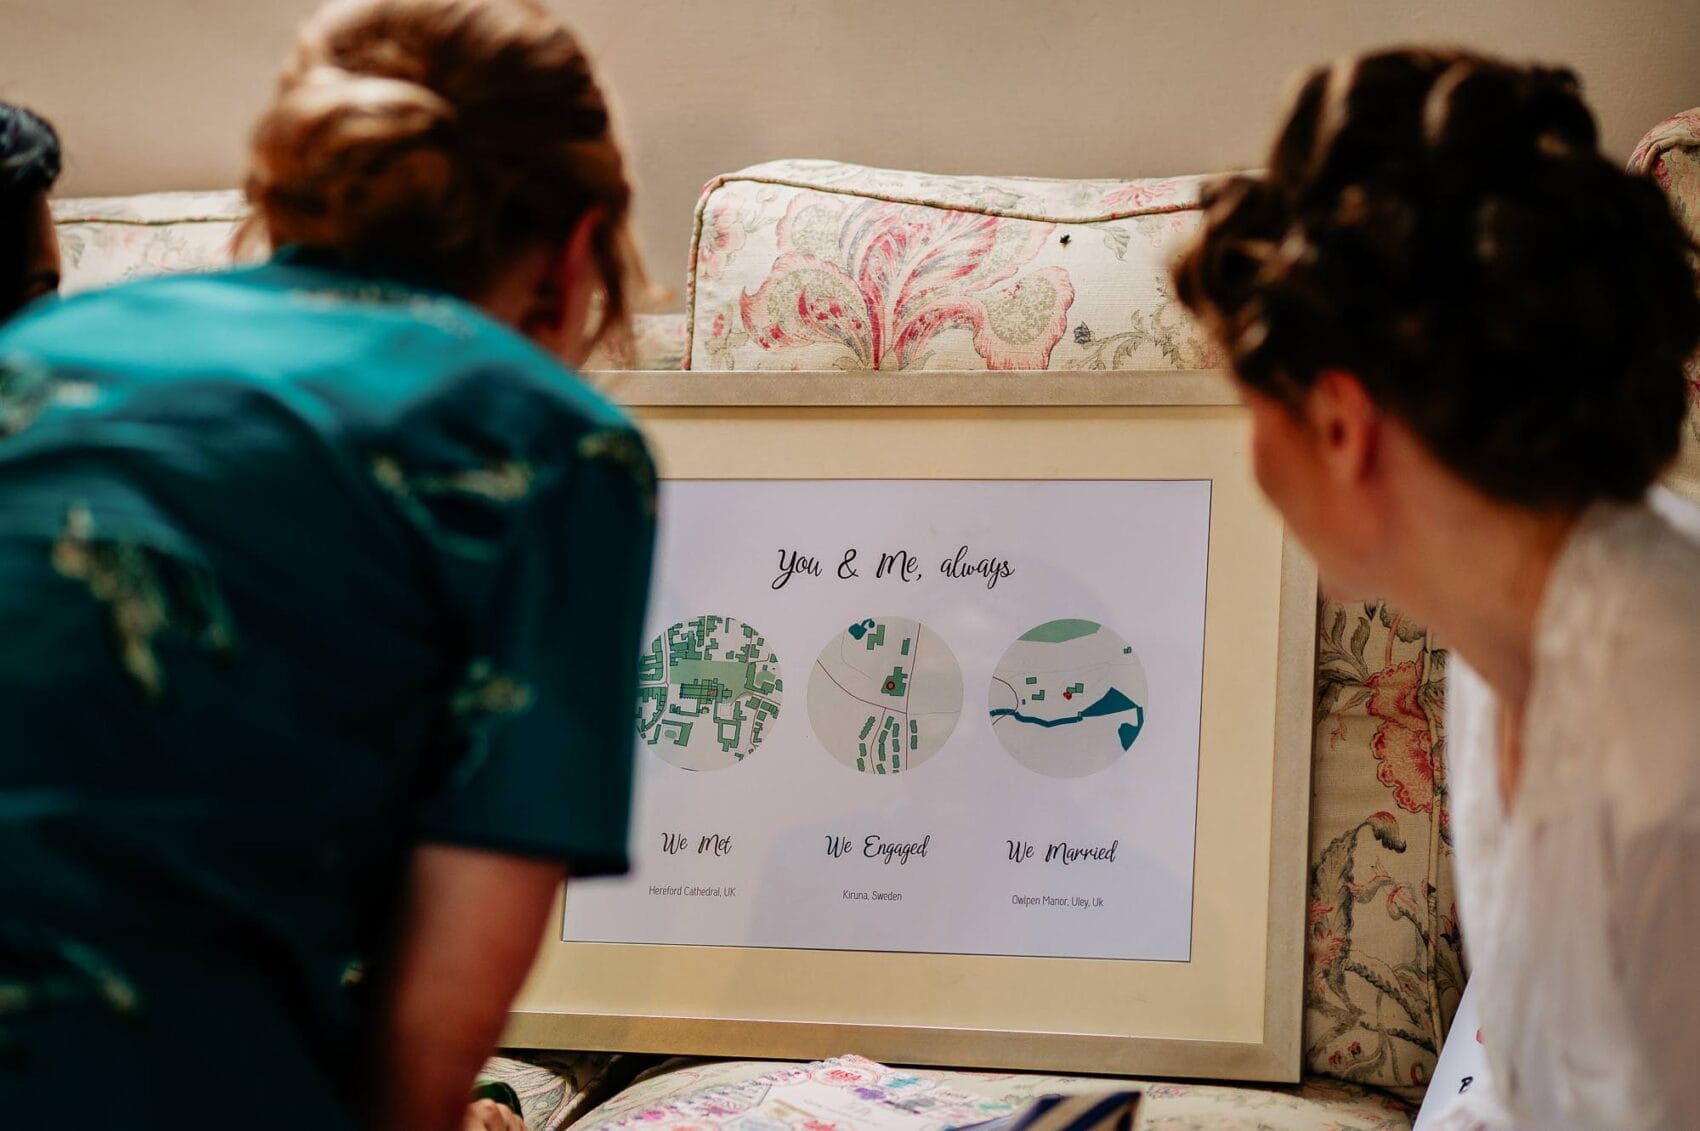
(1383, 961)
(813, 265)
(1012, 196)
(768, 1100)
(1148, 196)
(1661, 155)
(877, 281)
(723, 235)
(106, 240)
(1670, 154)
(1313, 1106)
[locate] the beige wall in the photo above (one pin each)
(156, 94)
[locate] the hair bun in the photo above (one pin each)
(441, 139)
(1477, 109)
(356, 161)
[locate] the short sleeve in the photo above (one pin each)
(545, 712)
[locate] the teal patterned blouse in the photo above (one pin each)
(299, 568)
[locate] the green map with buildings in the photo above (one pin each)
(885, 695)
(708, 692)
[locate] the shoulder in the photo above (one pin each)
(1629, 579)
(63, 320)
(468, 401)
(1655, 568)
(374, 348)
(424, 349)
(1648, 590)
(489, 381)
(240, 321)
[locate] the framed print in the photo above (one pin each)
(973, 729)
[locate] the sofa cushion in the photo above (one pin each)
(658, 342)
(1383, 961)
(1314, 1106)
(105, 240)
(1670, 154)
(820, 265)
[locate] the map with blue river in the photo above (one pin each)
(1068, 698)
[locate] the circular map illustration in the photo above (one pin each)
(708, 692)
(885, 695)
(1068, 698)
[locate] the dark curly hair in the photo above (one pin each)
(29, 164)
(1443, 226)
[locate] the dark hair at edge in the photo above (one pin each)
(29, 164)
(1443, 226)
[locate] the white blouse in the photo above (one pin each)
(1580, 907)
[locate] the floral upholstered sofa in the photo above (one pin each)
(812, 265)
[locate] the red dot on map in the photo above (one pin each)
(890, 685)
(1068, 695)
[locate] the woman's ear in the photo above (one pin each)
(558, 314)
(1347, 427)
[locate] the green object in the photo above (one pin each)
(299, 568)
(1061, 631)
(500, 1091)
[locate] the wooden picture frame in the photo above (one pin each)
(1233, 1009)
